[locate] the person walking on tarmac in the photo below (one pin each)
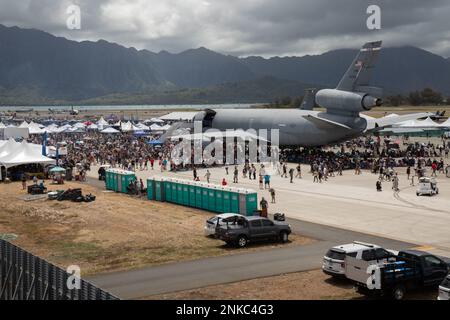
(208, 176)
(235, 175)
(291, 174)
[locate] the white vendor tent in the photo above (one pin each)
(110, 131)
(15, 154)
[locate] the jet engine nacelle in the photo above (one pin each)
(345, 101)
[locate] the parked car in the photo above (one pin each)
(410, 270)
(427, 186)
(334, 259)
(212, 223)
(444, 289)
(249, 229)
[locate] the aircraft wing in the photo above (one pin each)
(325, 124)
(381, 123)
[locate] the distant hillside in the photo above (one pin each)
(36, 67)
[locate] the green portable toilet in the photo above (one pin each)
(198, 195)
(251, 198)
(205, 197)
(219, 200)
(107, 180)
(159, 189)
(174, 191)
(234, 201)
(211, 198)
(116, 181)
(247, 202)
(185, 194)
(192, 195)
(150, 189)
(226, 198)
(179, 192)
(168, 189)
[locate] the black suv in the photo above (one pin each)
(246, 229)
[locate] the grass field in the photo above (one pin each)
(116, 232)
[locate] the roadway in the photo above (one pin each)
(135, 284)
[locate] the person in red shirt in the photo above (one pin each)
(224, 182)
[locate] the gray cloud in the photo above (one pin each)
(245, 27)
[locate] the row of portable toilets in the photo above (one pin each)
(203, 196)
(118, 180)
(187, 193)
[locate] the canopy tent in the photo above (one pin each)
(2, 126)
(143, 127)
(427, 123)
(102, 122)
(445, 124)
(57, 170)
(155, 143)
(155, 127)
(23, 154)
(110, 131)
(24, 125)
(93, 127)
(156, 120)
(7, 147)
(165, 128)
(79, 125)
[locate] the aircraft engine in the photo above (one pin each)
(345, 101)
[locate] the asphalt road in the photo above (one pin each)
(173, 277)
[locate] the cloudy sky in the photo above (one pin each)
(240, 27)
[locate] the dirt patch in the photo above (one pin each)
(310, 285)
(116, 232)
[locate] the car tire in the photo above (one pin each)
(284, 237)
(399, 292)
(417, 194)
(242, 241)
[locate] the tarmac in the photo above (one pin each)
(350, 202)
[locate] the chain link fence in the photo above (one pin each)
(24, 276)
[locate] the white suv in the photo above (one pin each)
(334, 259)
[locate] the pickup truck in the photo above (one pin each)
(247, 229)
(410, 269)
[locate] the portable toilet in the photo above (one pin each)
(185, 201)
(198, 195)
(234, 201)
(226, 199)
(107, 180)
(212, 198)
(180, 192)
(247, 202)
(150, 189)
(205, 198)
(168, 189)
(174, 190)
(192, 190)
(159, 189)
(116, 181)
(219, 199)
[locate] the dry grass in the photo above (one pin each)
(116, 232)
(310, 285)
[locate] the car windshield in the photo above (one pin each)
(335, 255)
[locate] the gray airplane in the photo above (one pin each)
(304, 127)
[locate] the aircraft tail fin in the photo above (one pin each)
(359, 73)
(309, 100)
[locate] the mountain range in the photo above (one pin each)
(39, 68)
